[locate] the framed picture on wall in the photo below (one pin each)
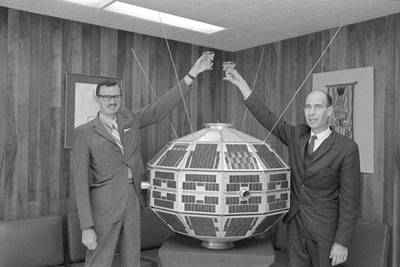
(81, 106)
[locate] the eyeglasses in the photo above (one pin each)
(107, 98)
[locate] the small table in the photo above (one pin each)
(183, 251)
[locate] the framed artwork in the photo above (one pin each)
(81, 106)
(342, 102)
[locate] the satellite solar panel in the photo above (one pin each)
(163, 203)
(203, 159)
(156, 194)
(255, 200)
(216, 161)
(231, 148)
(244, 178)
(157, 182)
(285, 185)
(278, 177)
(267, 223)
(188, 186)
(180, 146)
(200, 208)
(278, 205)
(201, 226)
(211, 200)
(212, 187)
(237, 226)
(243, 209)
(240, 160)
(270, 160)
(255, 187)
(158, 155)
(197, 177)
(232, 187)
(232, 200)
(261, 148)
(171, 184)
(188, 199)
(173, 221)
(172, 158)
(206, 147)
(164, 175)
(189, 159)
(171, 197)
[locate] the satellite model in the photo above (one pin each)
(218, 185)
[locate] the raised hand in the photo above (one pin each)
(203, 63)
(233, 76)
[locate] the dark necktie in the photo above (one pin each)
(310, 148)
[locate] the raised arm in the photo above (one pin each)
(234, 77)
(156, 111)
(203, 63)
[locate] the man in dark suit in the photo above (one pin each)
(108, 170)
(325, 181)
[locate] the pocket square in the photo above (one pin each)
(127, 129)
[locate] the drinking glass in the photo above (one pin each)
(209, 56)
(227, 65)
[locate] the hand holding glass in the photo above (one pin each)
(209, 56)
(227, 65)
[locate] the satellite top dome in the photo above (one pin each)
(218, 185)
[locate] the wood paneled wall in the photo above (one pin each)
(37, 51)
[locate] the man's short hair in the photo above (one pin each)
(107, 83)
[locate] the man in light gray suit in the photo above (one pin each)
(108, 170)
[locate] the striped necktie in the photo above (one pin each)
(116, 137)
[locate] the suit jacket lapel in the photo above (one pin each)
(303, 144)
(101, 129)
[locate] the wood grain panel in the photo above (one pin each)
(34, 129)
(396, 156)
(3, 101)
(22, 111)
(390, 75)
(12, 208)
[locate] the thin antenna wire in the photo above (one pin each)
(301, 85)
(176, 73)
(152, 89)
(254, 83)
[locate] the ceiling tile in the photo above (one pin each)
(273, 20)
(278, 7)
(247, 22)
(320, 21)
(174, 7)
(224, 7)
(106, 18)
(204, 15)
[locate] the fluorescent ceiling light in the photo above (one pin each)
(160, 17)
(91, 3)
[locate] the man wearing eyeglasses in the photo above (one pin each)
(108, 170)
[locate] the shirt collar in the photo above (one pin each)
(322, 135)
(106, 120)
